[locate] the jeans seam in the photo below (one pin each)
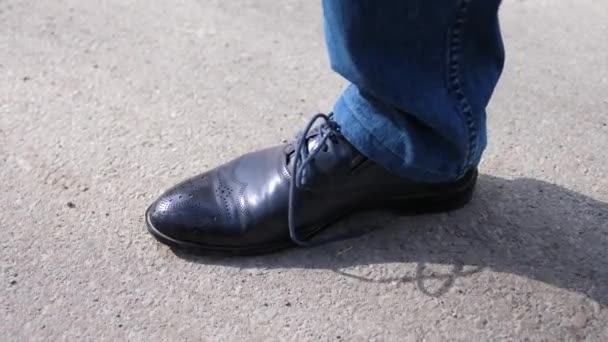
(379, 142)
(454, 57)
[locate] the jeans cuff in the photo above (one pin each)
(379, 137)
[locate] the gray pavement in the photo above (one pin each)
(103, 104)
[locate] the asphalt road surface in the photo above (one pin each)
(104, 104)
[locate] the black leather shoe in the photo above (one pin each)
(275, 198)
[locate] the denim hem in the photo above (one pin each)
(364, 140)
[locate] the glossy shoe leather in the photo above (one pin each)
(244, 207)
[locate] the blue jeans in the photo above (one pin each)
(421, 73)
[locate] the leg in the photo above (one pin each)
(407, 134)
(422, 73)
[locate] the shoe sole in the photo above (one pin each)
(409, 206)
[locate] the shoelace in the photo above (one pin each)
(303, 159)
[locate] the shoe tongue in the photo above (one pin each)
(312, 140)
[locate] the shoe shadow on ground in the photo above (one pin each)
(525, 227)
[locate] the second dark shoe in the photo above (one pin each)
(279, 197)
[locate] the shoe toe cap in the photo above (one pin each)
(184, 213)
